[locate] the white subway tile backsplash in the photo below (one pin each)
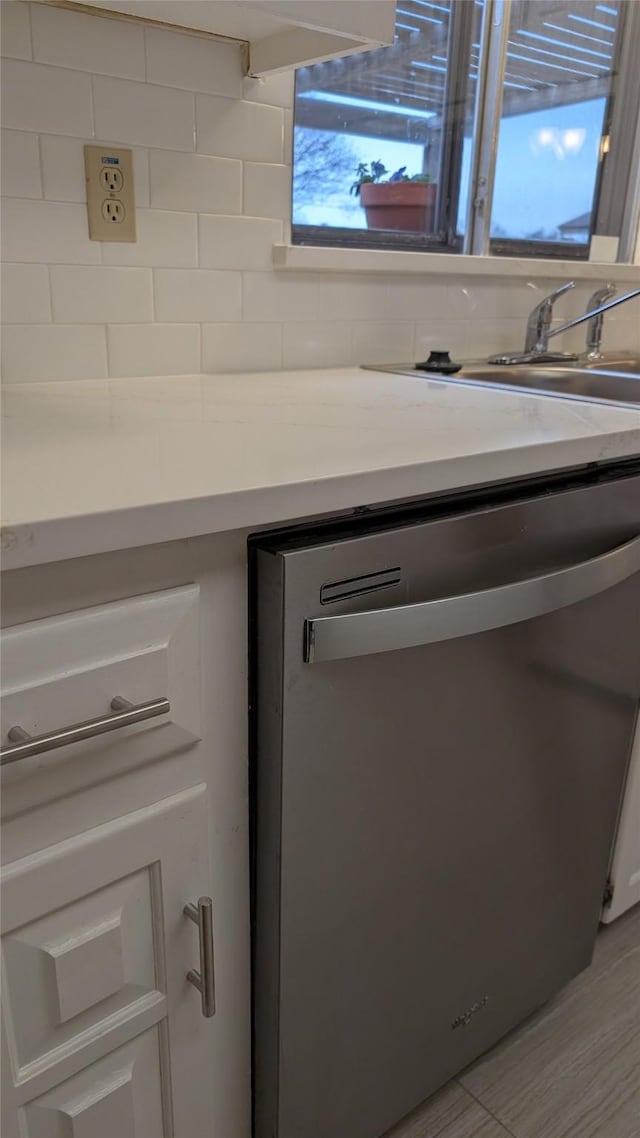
(100, 295)
(195, 182)
(20, 165)
(63, 169)
(366, 298)
(267, 190)
(438, 335)
(478, 339)
(142, 113)
(182, 295)
(267, 296)
(350, 298)
(46, 352)
(165, 238)
(238, 242)
(15, 34)
(87, 42)
(153, 349)
(241, 347)
(194, 63)
(382, 343)
(276, 90)
(25, 294)
(467, 339)
(621, 331)
(405, 301)
(316, 343)
(234, 128)
(47, 233)
(491, 300)
(45, 99)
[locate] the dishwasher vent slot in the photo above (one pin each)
(358, 586)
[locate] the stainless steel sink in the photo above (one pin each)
(614, 380)
(625, 365)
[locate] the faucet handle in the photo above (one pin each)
(553, 296)
(539, 322)
(601, 295)
(546, 304)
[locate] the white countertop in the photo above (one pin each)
(110, 464)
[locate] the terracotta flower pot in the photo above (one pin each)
(400, 205)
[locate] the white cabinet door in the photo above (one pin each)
(625, 868)
(281, 33)
(103, 1035)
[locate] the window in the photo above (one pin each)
(488, 126)
(557, 105)
(396, 113)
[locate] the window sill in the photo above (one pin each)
(308, 258)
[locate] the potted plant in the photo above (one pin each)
(397, 201)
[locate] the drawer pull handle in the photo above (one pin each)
(204, 980)
(125, 714)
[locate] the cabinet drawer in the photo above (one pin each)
(67, 669)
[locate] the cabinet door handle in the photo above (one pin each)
(204, 980)
(125, 714)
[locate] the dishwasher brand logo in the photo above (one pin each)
(462, 1020)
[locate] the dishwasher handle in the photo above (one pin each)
(429, 622)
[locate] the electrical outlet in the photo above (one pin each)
(111, 179)
(110, 193)
(113, 211)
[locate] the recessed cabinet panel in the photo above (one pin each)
(81, 965)
(118, 1097)
(67, 669)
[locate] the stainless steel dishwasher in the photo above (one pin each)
(445, 700)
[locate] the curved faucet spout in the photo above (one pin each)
(594, 312)
(539, 330)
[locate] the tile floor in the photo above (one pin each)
(572, 1070)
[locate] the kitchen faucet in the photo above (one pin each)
(539, 322)
(539, 330)
(595, 325)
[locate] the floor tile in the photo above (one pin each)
(451, 1113)
(573, 1069)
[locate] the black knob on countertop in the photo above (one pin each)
(439, 362)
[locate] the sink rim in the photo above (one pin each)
(503, 377)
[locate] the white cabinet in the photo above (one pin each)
(280, 33)
(103, 1034)
(106, 840)
(625, 867)
(66, 669)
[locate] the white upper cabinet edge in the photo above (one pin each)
(280, 34)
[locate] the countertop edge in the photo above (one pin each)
(61, 539)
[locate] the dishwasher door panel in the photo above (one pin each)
(434, 824)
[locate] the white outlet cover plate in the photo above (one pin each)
(111, 202)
